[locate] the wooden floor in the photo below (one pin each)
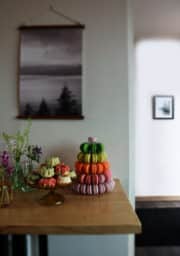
(155, 204)
(158, 251)
(161, 226)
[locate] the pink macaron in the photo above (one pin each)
(82, 178)
(108, 175)
(95, 179)
(89, 190)
(102, 178)
(88, 179)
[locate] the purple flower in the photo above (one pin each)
(4, 162)
(4, 158)
(10, 170)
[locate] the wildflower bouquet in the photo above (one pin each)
(22, 155)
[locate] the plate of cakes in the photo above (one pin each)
(51, 175)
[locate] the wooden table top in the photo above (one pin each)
(110, 213)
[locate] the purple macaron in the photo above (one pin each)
(110, 186)
(76, 187)
(83, 189)
(95, 189)
(89, 190)
(102, 188)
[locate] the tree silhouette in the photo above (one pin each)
(43, 108)
(67, 104)
(28, 110)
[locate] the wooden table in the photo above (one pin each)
(110, 213)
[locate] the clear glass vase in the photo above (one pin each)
(18, 178)
(6, 192)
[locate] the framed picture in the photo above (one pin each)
(163, 107)
(50, 72)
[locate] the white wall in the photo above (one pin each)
(131, 83)
(157, 62)
(157, 141)
(105, 94)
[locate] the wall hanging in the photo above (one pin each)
(163, 107)
(50, 72)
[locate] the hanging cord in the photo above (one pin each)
(60, 14)
(54, 10)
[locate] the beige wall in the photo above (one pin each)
(156, 18)
(105, 85)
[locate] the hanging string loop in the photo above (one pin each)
(60, 14)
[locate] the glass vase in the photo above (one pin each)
(6, 192)
(18, 178)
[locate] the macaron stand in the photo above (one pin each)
(52, 176)
(93, 169)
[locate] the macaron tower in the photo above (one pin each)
(93, 169)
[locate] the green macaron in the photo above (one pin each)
(85, 147)
(80, 157)
(99, 147)
(94, 148)
(87, 158)
(94, 158)
(101, 157)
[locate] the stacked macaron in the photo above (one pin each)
(93, 169)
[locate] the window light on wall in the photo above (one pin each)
(157, 150)
(158, 62)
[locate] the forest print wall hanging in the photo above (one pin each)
(50, 72)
